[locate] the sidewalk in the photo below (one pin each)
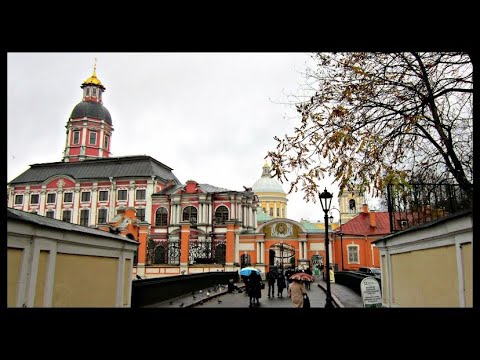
(342, 295)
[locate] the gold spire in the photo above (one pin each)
(93, 80)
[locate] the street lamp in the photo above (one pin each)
(326, 201)
(340, 232)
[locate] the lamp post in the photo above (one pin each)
(326, 201)
(340, 233)
(281, 255)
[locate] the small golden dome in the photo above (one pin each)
(93, 80)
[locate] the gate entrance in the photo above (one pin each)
(282, 255)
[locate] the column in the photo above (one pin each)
(237, 245)
(76, 204)
(58, 205)
(113, 198)
(148, 206)
(10, 197)
(41, 206)
(101, 141)
(275, 210)
(263, 251)
(230, 242)
(26, 198)
(259, 253)
(93, 217)
(131, 194)
(184, 244)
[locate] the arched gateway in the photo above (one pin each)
(286, 243)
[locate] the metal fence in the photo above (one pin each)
(416, 204)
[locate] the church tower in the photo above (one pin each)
(89, 128)
(351, 204)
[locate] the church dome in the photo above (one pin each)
(267, 183)
(91, 109)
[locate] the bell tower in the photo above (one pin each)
(89, 128)
(350, 203)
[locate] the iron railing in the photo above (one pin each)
(416, 204)
(163, 252)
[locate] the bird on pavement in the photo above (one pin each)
(181, 305)
(138, 277)
(171, 302)
(219, 301)
(194, 297)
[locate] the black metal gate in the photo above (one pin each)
(282, 255)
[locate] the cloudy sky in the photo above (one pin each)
(209, 116)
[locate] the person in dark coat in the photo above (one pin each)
(271, 278)
(280, 283)
(255, 293)
(288, 273)
(307, 283)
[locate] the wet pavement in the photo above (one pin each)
(218, 297)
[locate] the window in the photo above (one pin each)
(141, 194)
(67, 216)
(103, 195)
(105, 142)
(278, 212)
(76, 137)
(34, 199)
(51, 198)
(353, 254)
(161, 217)
(84, 215)
(122, 195)
(86, 196)
(93, 138)
(271, 211)
(141, 214)
(18, 199)
(50, 214)
(351, 205)
(102, 216)
(190, 214)
(88, 91)
(264, 210)
(221, 214)
(68, 197)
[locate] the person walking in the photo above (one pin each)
(296, 290)
(255, 293)
(309, 272)
(271, 278)
(280, 283)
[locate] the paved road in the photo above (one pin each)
(219, 298)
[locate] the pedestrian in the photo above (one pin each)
(332, 275)
(288, 273)
(271, 278)
(309, 272)
(321, 269)
(280, 283)
(255, 293)
(296, 290)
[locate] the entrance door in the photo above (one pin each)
(282, 255)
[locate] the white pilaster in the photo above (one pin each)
(43, 200)
(113, 198)
(26, 198)
(131, 193)
(149, 193)
(58, 205)
(76, 204)
(93, 217)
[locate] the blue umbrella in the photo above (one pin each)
(246, 271)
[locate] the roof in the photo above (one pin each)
(360, 225)
(210, 189)
(61, 225)
(311, 228)
(266, 183)
(103, 168)
(91, 109)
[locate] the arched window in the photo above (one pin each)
(352, 207)
(245, 260)
(161, 217)
(190, 214)
(160, 255)
(221, 214)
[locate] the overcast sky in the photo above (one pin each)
(209, 116)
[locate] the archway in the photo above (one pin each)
(282, 255)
